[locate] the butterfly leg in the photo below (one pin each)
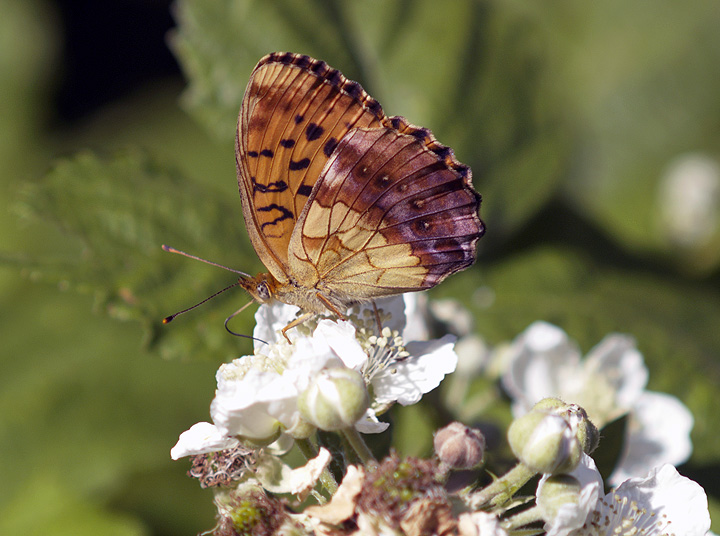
(330, 306)
(299, 320)
(377, 317)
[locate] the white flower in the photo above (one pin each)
(201, 438)
(689, 201)
(608, 383)
(405, 380)
(454, 315)
(257, 395)
(664, 502)
(394, 370)
(572, 516)
(659, 432)
(256, 405)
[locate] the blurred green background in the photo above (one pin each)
(593, 132)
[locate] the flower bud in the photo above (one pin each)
(335, 399)
(544, 442)
(550, 405)
(556, 492)
(301, 430)
(458, 446)
(586, 432)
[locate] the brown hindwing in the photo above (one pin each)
(393, 211)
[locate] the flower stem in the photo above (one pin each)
(502, 489)
(326, 477)
(531, 515)
(358, 445)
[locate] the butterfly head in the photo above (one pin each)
(262, 287)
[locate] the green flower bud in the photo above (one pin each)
(545, 443)
(336, 398)
(556, 492)
(259, 442)
(301, 430)
(587, 433)
(550, 405)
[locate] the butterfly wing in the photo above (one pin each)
(295, 111)
(393, 211)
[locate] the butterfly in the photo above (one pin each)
(342, 203)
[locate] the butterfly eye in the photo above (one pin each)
(263, 292)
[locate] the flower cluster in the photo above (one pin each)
(339, 377)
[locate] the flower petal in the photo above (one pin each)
(340, 338)
(420, 373)
(573, 516)
(679, 504)
(617, 358)
(658, 433)
(269, 320)
(256, 405)
(201, 438)
(369, 423)
(277, 477)
(542, 363)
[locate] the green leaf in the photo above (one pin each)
(119, 211)
(610, 449)
(642, 89)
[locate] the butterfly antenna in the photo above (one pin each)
(170, 318)
(173, 250)
(231, 332)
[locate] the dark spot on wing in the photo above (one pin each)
(420, 133)
(329, 146)
(277, 186)
(382, 182)
(353, 89)
(284, 214)
(362, 171)
(443, 152)
(287, 143)
(298, 118)
(305, 189)
(253, 154)
(300, 164)
(314, 131)
(266, 152)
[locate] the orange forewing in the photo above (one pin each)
(295, 111)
